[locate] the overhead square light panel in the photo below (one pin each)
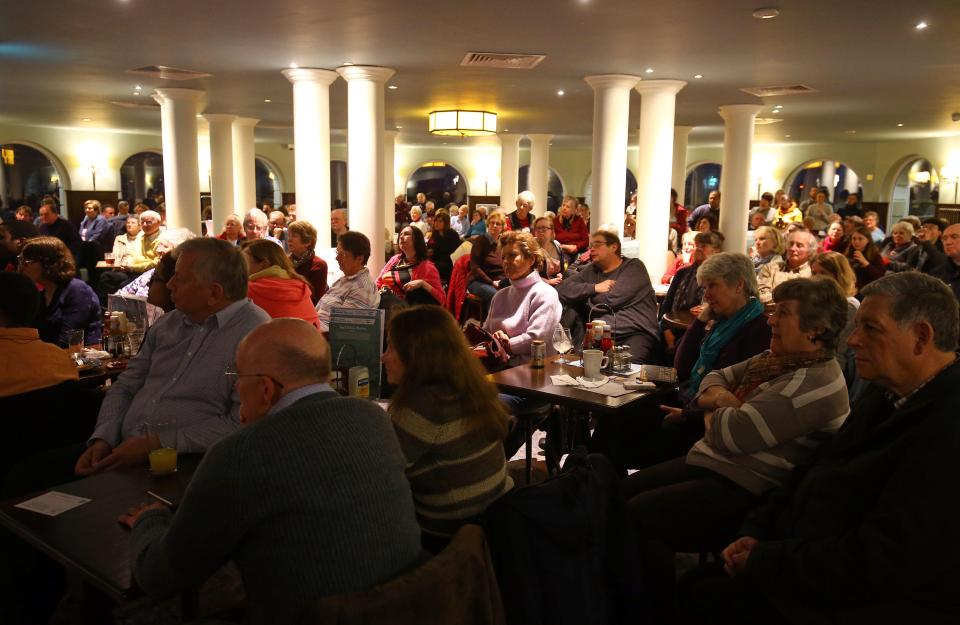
(778, 90)
(501, 60)
(168, 73)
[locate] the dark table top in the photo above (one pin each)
(89, 539)
(526, 381)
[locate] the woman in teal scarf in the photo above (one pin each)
(729, 328)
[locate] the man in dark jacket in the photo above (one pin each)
(866, 533)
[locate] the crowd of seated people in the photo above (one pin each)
(755, 449)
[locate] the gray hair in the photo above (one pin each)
(257, 214)
(812, 241)
(916, 297)
(731, 268)
(150, 213)
(416, 209)
(218, 262)
(821, 304)
(903, 226)
(528, 197)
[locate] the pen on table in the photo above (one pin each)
(162, 500)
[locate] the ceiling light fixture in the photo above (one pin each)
(86, 119)
(850, 132)
(921, 26)
(399, 127)
(294, 66)
(900, 125)
(347, 63)
(649, 70)
(392, 87)
(766, 13)
(267, 100)
(561, 92)
(787, 136)
(698, 76)
(459, 123)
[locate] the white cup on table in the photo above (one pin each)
(593, 362)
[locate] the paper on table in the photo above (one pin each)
(563, 380)
(52, 503)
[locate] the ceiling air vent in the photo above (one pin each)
(501, 60)
(778, 90)
(168, 73)
(136, 105)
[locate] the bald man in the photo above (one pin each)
(310, 498)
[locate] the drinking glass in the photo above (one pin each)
(162, 442)
(562, 342)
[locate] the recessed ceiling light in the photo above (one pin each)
(561, 92)
(399, 127)
(392, 87)
(921, 26)
(766, 13)
(787, 136)
(294, 66)
(900, 125)
(347, 63)
(267, 100)
(850, 132)
(199, 115)
(698, 76)
(649, 70)
(136, 93)
(138, 87)
(778, 106)
(86, 119)
(506, 130)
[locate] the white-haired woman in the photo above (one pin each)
(900, 252)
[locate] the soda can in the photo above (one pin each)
(538, 352)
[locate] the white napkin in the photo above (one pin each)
(563, 380)
(593, 383)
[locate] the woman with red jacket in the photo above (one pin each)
(570, 229)
(274, 285)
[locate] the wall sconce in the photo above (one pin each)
(93, 175)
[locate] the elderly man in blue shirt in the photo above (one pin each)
(179, 371)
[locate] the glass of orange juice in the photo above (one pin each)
(162, 441)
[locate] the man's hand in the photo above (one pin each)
(130, 518)
(87, 463)
(605, 286)
(129, 453)
(736, 554)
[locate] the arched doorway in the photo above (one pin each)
(27, 175)
(701, 180)
(554, 189)
(630, 187)
(339, 189)
(916, 191)
(141, 177)
(836, 177)
(267, 183)
(440, 181)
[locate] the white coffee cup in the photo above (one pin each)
(593, 362)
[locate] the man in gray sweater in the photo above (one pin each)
(310, 498)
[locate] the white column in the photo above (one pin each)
(611, 110)
(509, 169)
(178, 118)
(311, 141)
(537, 175)
(244, 166)
(735, 181)
(221, 166)
(365, 119)
(681, 134)
(826, 177)
(658, 99)
(389, 179)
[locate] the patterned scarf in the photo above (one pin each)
(766, 367)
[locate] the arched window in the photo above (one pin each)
(141, 177)
(554, 190)
(701, 180)
(630, 188)
(268, 183)
(916, 191)
(440, 181)
(339, 190)
(27, 176)
(818, 174)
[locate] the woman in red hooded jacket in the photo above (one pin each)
(274, 285)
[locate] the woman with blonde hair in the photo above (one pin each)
(767, 247)
(274, 285)
(451, 427)
(835, 266)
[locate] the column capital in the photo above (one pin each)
(310, 74)
(730, 111)
(509, 138)
(604, 81)
(672, 87)
(539, 137)
(683, 130)
(246, 121)
(391, 135)
(171, 94)
(225, 118)
(372, 73)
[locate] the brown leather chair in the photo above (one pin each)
(457, 586)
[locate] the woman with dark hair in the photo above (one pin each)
(451, 427)
(274, 285)
(864, 257)
(69, 303)
(486, 266)
(301, 240)
(409, 275)
(443, 241)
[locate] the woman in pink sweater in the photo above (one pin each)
(274, 285)
(529, 308)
